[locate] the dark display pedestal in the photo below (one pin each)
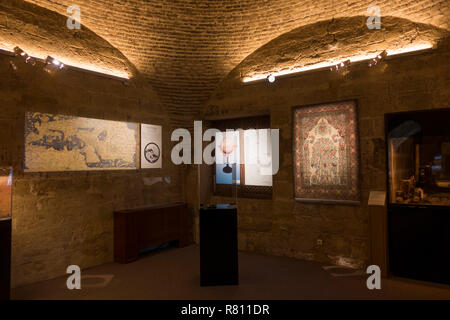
(5, 259)
(218, 246)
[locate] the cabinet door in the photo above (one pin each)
(125, 238)
(151, 228)
(184, 226)
(418, 243)
(172, 223)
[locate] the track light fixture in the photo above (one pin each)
(271, 78)
(28, 59)
(378, 58)
(19, 52)
(340, 66)
(54, 62)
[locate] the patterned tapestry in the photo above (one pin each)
(68, 143)
(326, 153)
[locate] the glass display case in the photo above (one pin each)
(6, 177)
(418, 212)
(419, 158)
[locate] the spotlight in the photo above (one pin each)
(31, 61)
(19, 52)
(28, 59)
(271, 78)
(55, 62)
(378, 58)
(341, 65)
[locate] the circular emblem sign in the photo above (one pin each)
(152, 152)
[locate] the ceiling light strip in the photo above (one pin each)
(325, 65)
(7, 52)
(118, 75)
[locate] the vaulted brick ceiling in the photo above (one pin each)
(185, 47)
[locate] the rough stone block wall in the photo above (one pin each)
(283, 226)
(184, 49)
(66, 218)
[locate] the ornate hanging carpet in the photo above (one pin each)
(326, 153)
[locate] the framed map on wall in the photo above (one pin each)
(67, 143)
(326, 153)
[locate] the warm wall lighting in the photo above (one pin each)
(337, 65)
(419, 47)
(285, 72)
(95, 69)
(34, 56)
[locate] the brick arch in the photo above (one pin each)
(186, 47)
(41, 32)
(332, 41)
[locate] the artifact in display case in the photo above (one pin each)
(419, 157)
(5, 193)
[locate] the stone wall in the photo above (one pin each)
(184, 49)
(322, 232)
(66, 218)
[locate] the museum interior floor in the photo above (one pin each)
(173, 273)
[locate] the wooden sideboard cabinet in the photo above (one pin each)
(141, 228)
